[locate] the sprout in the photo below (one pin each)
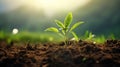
(65, 27)
(15, 31)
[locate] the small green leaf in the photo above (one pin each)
(90, 35)
(75, 25)
(68, 20)
(59, 23)
(53, 29)
(86, 35)
(75, 36)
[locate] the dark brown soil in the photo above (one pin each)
(76, 54)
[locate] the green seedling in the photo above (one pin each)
(65, 28)
(89, 35)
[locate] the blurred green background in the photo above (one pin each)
(101, 17)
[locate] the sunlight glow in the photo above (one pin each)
(51, 7)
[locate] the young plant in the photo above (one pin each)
(89, 35)
(65, 28)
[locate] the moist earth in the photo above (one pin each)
(75, 54)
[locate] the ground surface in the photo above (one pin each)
(80, 54)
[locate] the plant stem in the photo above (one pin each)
(66, 38)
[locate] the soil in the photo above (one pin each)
(75, 54)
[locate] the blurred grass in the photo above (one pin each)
(29, 36)
(42, 37)
(89, 36)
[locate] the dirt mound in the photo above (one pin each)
(76, 54)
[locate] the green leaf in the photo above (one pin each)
(86, 35)
(75, 36)
(76, 25)
(59, 23)
(53, 29)
(90, 35)
(68, 20)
